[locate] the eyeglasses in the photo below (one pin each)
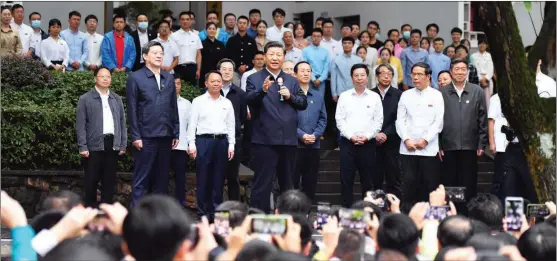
(386, 74)
(106, 77)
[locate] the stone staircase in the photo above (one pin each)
(328, 181)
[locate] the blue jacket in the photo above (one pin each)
(152, 113)
(223, 36)
(275, 122)
(108, 51)
(312, 120)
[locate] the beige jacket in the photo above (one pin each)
(10, 43)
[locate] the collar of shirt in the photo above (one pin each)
(211, 98)
(72, 32)
(365, 93)
(272, 74)
(11, 29)
(101, 94)
(119, 36)
(383, 93)
(464, 85)
(425, 90)
(332, 40)
(159, 39)
(227, 87)
(414, 50)
(141, 33)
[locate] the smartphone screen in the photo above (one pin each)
(269, 224)
(353, 218)
(537, 210)
(514, 209)
(455, 194)
(222, 223)
(438, 212)
(323, 212)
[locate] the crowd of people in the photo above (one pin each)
(411, 114)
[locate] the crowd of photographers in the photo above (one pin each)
(158, 228)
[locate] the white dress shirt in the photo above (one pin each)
(496, 113)
(209, 116)
(143, 40)
(94, 41)
(244, 80)
(333, 46)
(188, 44)
(275, 34)
(25, 34)
(359, 115)
(484, 66)
(294, 55)
(36, 40)
(108, 121)
(420, 116)
(55, 50)
(184, 109)
(171, 51)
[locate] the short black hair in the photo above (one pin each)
(538, 243)
(212, 72)
(442, 72)
(361, 47)
(416, 31)
(34, 13)
(386, 65)
(47, 219)
(62, 200)
(437, 39)
(455, 231)
(432, 25)
(373, 23)
(486, 208)
(91, 16)
(398, 232)
(349, 243)
(78, 249)
(391, 52)
(185, 13)
(362, 33)
(482, 41)
(254, 11)
(16, 6)
(259, 53)
(279, 11)
(405, 25)
(191, 13)
(209, 24)
(422, 65)
(243, 17)
(317, 30)
(145, 49)
(293, 202)
(229, 14)
(461, 47)
(321, 18)
(392, 31)
(238, 211)
(155, 228)
(140, 14)
(348, 39)
(262, 22)
(359, 66)
(457, 61)
(347, 26)
(489, 242)
(298, 64)
(273, 44)
(287, 24)
(456, 30)
(96, 71)
(116, 16)
(328, 21)
(225, 60)
(164, 22)
(74, 13)
(54, 22)
(212, 12)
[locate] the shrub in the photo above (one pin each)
(21, 73)
(38, 118)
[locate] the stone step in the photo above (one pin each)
(334, 164)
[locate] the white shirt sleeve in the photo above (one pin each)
(340, 117)
(192, 124)
(437, 125)
(44, 241)
(231, 126)
(377, 122)
(401, 118)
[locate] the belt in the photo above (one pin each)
(57, 62)
(186, 64)
(212, 136)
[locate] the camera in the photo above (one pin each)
(509, 132)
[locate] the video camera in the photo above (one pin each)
(509, 132)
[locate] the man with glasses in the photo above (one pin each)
(171, 50)
(101, 137)
(418, 124)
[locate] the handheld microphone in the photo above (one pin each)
(280, 83)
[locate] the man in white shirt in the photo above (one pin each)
(497, 142)
(25, 31)
(179, 155)
(38, 35)
(293, 54)
(275, 32)
(171, 51)
(211, 139)
(258, 64)
(333, 46)
(359, 118)
(189, 64)
(419, 122)
(94, 60)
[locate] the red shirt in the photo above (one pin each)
(119, 44)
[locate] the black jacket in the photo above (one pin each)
(465, 119)
(151, 36)
(390, 107)
(238, 98)
(241, 50)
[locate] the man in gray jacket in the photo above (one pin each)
(464, 135)
(101, 136)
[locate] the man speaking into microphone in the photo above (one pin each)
(274, 98)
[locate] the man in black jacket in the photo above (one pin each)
(464, 135)
(241, 49)
(237, 97)
(141, 36)
(388, 141)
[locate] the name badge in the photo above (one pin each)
(467, 101)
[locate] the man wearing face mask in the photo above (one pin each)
(38, 35)
(141, 37)
(405, 30)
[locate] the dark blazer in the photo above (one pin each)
(151, 36)
(465, 118)
(241, 50)
(275, 122)
(238, 98)
(390, 107)
(312, 120)
(152, 113)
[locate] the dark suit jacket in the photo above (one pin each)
(238, 98)
(390, 107)
(152, 113)
(312, 120)
(275, 122)
(152, 36)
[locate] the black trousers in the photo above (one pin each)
(307, 167)
(233, 170)
(420, 176)
(388, 168)
(496, 184)
(247, 157)
(187, 73)
(271, 161)
(101, 166)
(179, 164)
(517, 181)
(460, 169)
(354, 158)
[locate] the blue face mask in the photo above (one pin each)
(36, 23)
(377, 35)
(143, 25)
(406, 34)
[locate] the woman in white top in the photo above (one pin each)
(55, 53)
(484, 64)
(385, 56)
(362, 52)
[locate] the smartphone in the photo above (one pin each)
(380, 197)
(323, 212)
(353, 218)
(514, 209)
(222, 222)
(537, 210)
(269, 224)
(455, 194)
(438, 212)
(101, 214)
